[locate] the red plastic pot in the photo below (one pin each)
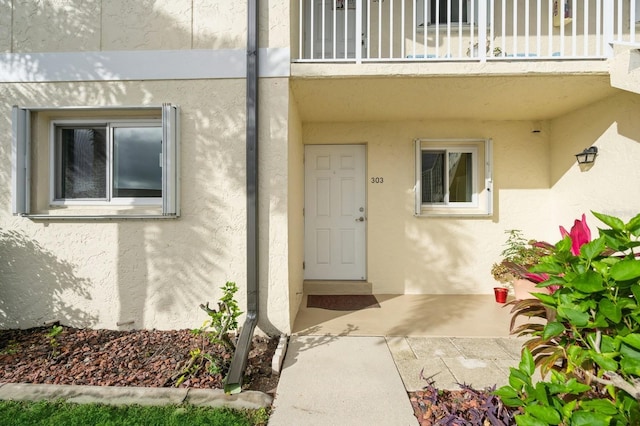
(501, 294)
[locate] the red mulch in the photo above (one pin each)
(152, 358)
(146, 358)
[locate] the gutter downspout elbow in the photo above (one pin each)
(233, 383)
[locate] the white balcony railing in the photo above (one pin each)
(449, 30)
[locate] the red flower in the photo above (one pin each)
(580, 235)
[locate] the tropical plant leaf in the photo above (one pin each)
(633, 226)
(588, 282)
(593, 248)
(553, 329)
(545, 413)
(610, 310)
(605, 362)
(527, 420)
(575, 316)
(626, 270)
(632, 340)
(611, 221)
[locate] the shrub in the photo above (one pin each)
(589, 339)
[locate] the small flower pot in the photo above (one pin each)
(501, 294)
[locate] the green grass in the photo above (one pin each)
(68, 414)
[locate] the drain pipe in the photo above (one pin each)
(233, 383)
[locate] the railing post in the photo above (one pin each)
(607, 28)
(358, 46)
(482, 30)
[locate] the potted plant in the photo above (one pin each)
(518, 256)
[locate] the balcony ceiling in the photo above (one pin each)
(494, 97)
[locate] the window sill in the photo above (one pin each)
(38, 217)
(96, 213)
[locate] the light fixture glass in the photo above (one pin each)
(588, 155)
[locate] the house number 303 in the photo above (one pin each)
(377, 180)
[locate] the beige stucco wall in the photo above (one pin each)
(408, 254)
(611, 185)
(153, 272)
(537, 187)
(95, 25)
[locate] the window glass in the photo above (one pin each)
(460, 177)
(82, 158)
(453, 177)
(433, 183)
(448, 8)
(137, 158)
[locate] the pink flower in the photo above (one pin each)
(580, 235)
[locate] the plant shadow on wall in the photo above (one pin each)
(51, 284)
(163, 268)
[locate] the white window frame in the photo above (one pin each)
(22, 153)
(481, 203)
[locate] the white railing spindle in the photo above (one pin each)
(528, 29)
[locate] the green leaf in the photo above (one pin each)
(592, 249)
(576, 317)
(589, 282)
(546, 414)
(506, 392)
(519, 379)
(527, 365)
(603, 406)
(612, 221)
(605, 362)
(552, 329)
(633, 226)
(527, 420)
(632, 340)
(589, 418)
(575, 387)
(630, 366)
(610, 310)
(626, 269)
(629, 352)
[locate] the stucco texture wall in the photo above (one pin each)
(97, 25)
(537, 187)
(153, 273)
(610, 185)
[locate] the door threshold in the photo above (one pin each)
(336, 287)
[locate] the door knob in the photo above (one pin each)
(360, 219)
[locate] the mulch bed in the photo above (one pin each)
(146, 358)
(151, 358)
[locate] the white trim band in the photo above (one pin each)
(139, 65)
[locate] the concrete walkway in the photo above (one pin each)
(337, 380)
(356, 380)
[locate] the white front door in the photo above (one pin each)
(335, 212)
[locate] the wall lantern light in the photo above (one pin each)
(588, 155)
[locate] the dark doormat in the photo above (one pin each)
(340, 302)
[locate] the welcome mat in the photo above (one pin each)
(340, 302)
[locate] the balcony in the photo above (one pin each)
(361, 31)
